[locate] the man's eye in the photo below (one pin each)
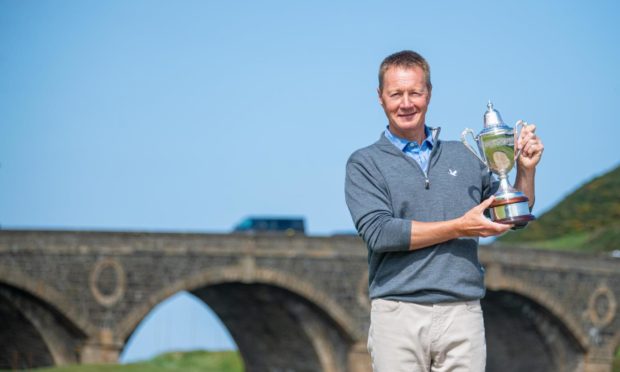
(395, 95)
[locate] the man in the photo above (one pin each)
(418, 203)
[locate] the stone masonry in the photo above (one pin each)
(291, 303)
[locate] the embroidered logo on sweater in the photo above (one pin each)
(452, 172)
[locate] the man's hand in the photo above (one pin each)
(531, 148)
(474, 223)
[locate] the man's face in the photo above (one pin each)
(405, 99)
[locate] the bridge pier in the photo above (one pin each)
(359, 359)
(599, 360)
(102, 349)
(598, 367)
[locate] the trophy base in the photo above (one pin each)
(518, 222)
(511, 209)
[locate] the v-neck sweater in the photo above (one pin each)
(385, 190)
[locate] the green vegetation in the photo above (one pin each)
(588, 220)
(194, 361)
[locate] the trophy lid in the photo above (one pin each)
(492, 117)
(493, 123)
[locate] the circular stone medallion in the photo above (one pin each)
(107, 281)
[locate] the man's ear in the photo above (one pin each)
(379, 96)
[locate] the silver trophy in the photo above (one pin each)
(496, 144)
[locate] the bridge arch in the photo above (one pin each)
(291, 309)
(37, 332)
(48, 295)
(524, 336)
(524, 319)
(497, 281)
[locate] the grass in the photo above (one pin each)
(569, 242)
(193, 361)
(596, 241)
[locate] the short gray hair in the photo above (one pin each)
(406, 59)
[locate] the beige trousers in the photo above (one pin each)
(410, 337)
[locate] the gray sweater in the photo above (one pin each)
(385, 189)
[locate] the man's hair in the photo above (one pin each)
(406, 59)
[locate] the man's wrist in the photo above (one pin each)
(458, 227)
(525, 176)
(526, 171)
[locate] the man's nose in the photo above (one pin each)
(407, 101)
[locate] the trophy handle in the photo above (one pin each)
(521, 124)
(464, 140)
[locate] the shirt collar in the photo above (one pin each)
(401, 143)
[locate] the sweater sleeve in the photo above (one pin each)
(368, 200)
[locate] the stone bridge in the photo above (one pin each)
(291, 303)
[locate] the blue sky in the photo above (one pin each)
(189, 115)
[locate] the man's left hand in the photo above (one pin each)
(531, 148)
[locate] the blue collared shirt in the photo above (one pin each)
(420, 154)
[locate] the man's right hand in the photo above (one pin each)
(474, 223)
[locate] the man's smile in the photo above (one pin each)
(407, 115)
